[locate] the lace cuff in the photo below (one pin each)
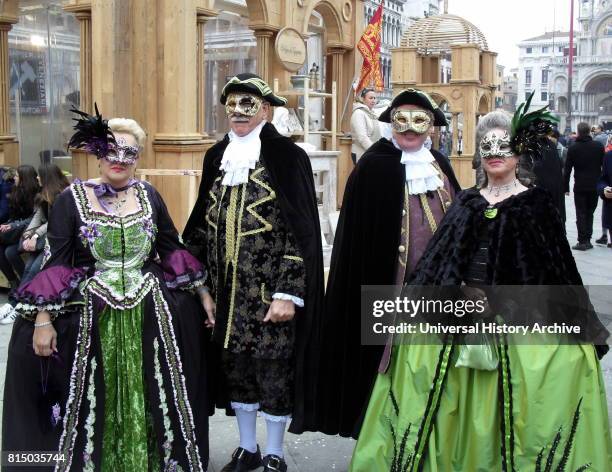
(49, 290)
(183, 271)
(283, 296)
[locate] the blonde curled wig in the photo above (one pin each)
(129, 126)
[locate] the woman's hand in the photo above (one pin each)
(45, 337)
(4, 228)
(29, 244)
(209, 306)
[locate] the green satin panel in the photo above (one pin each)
(128, 443)
(547, 383)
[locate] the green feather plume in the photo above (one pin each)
(528, 128)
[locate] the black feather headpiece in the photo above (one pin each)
(528, 129)
(92, 133)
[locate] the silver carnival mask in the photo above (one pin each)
(495, 143)
(122, 153)
(417, 121)
(242, 104)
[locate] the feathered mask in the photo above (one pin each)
(528, 129)
(92, 133)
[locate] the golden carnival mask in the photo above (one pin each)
(495, 143)
(243, 104)
(416, 121)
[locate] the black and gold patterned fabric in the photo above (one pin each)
(252, 255)
(275, 246)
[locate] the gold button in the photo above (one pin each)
(273, 194)
(447, 204)
(402, 248)
(403, 212)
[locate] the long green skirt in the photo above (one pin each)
(128, 442)
(543, 404)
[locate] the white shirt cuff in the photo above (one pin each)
(283, 296)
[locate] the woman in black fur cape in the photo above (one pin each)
(448, 405)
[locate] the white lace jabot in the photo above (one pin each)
(421, 175)
(240, 156)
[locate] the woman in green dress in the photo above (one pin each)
(106, 366)
(447, 406)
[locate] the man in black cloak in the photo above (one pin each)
(255, 226)
(393, 202)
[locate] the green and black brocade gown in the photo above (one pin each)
(127, 389)
(542, 407)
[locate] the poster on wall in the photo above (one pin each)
(27, 81)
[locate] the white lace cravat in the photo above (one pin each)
(421, 175)
(240, 156)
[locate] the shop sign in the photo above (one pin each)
(290, 49)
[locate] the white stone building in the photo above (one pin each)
(543, 67)
(510, 90)
(592, 79)
(536, 58)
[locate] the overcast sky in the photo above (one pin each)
(507, 22)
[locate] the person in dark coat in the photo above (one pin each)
(604, 189)
(549, 174)
(585, 159)
(255, 226)
(7, 180)
(394, 199)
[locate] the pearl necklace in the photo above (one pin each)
(502, 188)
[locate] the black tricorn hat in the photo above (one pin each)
(419, 99)
(251, 83)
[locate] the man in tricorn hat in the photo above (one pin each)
(394, 199)
(255, 226)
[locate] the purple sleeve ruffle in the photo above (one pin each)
(48, 290)
(182, 270)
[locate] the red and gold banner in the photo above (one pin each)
(369, 47)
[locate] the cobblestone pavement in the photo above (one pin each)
(313, 452)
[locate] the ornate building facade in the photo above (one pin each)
(592, 80)
(543, 67)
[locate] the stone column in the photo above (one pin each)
(202, 18)
(264, 52)
(9, 146)
(455, 134)
(82, 12)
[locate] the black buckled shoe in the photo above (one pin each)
(244, 461)
(273, 463)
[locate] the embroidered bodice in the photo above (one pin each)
(111, 256)
(120, 246)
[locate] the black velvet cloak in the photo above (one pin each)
(364, 253)
(291, 177)
(527, 245)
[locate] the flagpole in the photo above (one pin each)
(346, 101)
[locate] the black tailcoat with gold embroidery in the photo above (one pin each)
(285, 169)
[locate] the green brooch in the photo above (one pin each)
(490, 213)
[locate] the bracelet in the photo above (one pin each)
(44, 323)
